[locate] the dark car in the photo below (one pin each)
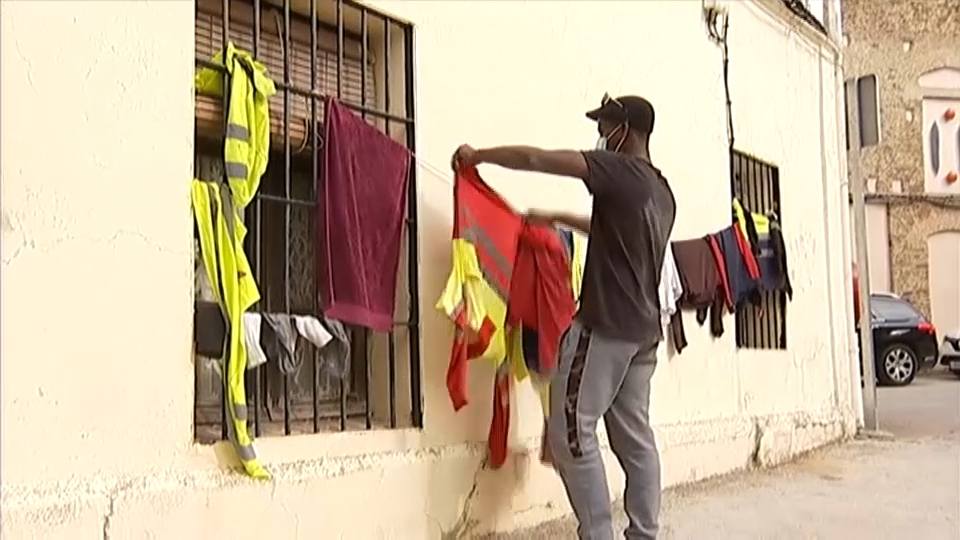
(903, 340)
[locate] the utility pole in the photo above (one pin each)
(855, 180)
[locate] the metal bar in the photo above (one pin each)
(256, 29)
(386, 73)
(364, 61)
(343, 404)
(297, 17)
(287, 53)
(782, 297)
(738, 188)
(392, 377)
(391, 338)
(257, 255)
(225, 35)
(314, 151)
(340, 59)
(298, 91)
(768, 298)
(367, 368)
(340, 49)
(368, 110)
(223, 406)
(756, 321)
(413, 268)
(763, 313)
(285, 201)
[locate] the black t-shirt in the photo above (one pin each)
(633, 214)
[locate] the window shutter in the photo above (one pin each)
(209, 41)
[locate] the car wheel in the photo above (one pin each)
(898, 366)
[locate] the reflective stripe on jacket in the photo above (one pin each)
(247, 145)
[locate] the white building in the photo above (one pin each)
(98, 126)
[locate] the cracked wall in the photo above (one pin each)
(97, 267)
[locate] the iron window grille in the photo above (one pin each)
(757, 185)
(315, 49)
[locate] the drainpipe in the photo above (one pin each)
(846, 199)
(870, 422)
(827, 191)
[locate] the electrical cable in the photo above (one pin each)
(951, 202)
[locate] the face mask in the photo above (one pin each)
(603, 141)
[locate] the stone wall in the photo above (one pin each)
(899, 41)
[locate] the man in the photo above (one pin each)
(608, 355)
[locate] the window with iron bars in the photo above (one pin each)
(312, 49)
(756, 184)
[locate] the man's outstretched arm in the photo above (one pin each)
(570, 221)
(569, 163)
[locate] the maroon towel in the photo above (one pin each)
(362, 212)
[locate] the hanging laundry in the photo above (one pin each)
(701, 286)
(750, 224)
(228, 271)
(530, 358)
(541, 293)
(529, 349)
(485, 233)
(331, 338)
(364, 202)
(671, 288)
(312, 330)
(717, 253)
(772, 258)
(498, 436)
(252, 325)
(742, 285)
(217, 210)
(765, 237)
(491, 248)
(246, 147)
(209, 329)
(279, 339)
(747, 253)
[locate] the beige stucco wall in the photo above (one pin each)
(97, 131)
(899, 42)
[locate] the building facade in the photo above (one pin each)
(905, 56)
(111, 422)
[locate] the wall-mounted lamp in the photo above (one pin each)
(949, 114)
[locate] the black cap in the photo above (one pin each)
(635, 110)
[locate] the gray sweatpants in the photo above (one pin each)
(598, 377)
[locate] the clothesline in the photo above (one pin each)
(436, 172)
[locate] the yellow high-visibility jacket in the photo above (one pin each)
(218, 210)
(247, 146)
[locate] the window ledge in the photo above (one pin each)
(298, 449)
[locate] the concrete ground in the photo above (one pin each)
(907, 488)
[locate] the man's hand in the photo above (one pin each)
(465, 156)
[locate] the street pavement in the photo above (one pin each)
(907, 488)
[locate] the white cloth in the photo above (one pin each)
(312, 330)
(670, 289)
(252, 323)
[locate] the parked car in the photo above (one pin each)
(904, 341)
(950, 352)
